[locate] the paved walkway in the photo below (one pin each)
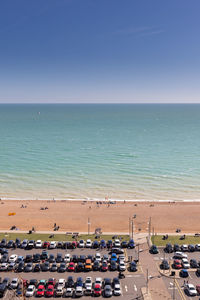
(156, 285)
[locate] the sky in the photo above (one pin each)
(99, 51)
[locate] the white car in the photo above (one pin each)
(121, 257)
(81, 244)
(184, 247)
(98, 257)
(88, 282)
(52, 245)
(59, 291)
(88, 291)
(61, 282)
(69, 292)
(99, 281)
(38, 244)
(117, 243)
(122, 266)
(79, 291)
(13, 258)
(190, 289)
(14, 283)
(88, 244)
(185, 263)
(67, 258)
(3, 267)
(180, 255)
(30, 291)
(117, 290)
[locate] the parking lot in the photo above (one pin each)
(130, 285)
(177, 286)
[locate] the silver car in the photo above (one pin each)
(107, 291)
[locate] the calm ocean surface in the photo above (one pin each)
(93, 151)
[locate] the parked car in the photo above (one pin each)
(154, 249)
(40, 291)
(169, 248)
(38, 244)
(185, 263)
(184, 248)
(133, 266)
(14, 283)
(68, 292)
(79, 291)
(117, 290)
(180, 255)
(131, 244)
(30, 291)
(177, 248)
(88, 243)
(193, 263)
(81, 244)
(97, 290)
(28, 267)
(191, 248)
(177, 264)
(190, 290)
(164, 265)
(183, 273)
(49, 291)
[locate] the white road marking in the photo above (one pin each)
(126, 288)
(135, 287)
(131, 276)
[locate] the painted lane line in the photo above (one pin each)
(135, 287)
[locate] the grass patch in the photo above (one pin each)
(57, 237)
(175, 239)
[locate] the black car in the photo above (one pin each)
(74, 258)
(62, 268)
(4, 258)
(11, 266)
(113, 265)
(193, 263)
(80, 267)
(177, 248)
(44, 255)
(59, 245)
(28, 267)
(17, 243)
(109, 244)
(198, 272)
(117, 251)
(37, 268)
(124, 244)
(107, 281)
(115, 281)
(28, 258)
(65, 245)
(54, 267)
(45, 266)
(3, 243)
(96, 265)
(36, 258)
(95, 245)
(154, 249)
(33, 282)
(3, 251)
(169, 248)
(70, 282)
(20, 267)
(82, 258)
(10, 244)
(51, 258)
(133, 266)
(164, 265)
(3, 289)
(191, 248)
(59, 258)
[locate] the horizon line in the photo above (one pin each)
(102, 103)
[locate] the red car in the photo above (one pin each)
(177, 264)
(71, 267)
(40, 291)
(51, 281)
(97, 290)
(104, 266)
(49, 291)
(74, 244)
(45, 245)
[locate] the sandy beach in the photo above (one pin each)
(73, 216)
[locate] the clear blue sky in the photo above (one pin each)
(100, 51)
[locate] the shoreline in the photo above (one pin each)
(103, 200)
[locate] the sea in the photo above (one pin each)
(100, 151)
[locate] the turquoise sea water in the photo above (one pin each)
(93, 151)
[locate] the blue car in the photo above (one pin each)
(131, 244)
(183, 273)
(113, 257)
(103, 244)
(79, 281)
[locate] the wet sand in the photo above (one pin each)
(73, 216)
